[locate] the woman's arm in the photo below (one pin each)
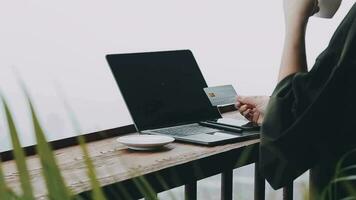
(297, 13)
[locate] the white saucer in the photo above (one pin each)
(145, 142)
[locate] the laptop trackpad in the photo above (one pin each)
(212, 137)
(223, 135)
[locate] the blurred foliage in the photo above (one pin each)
(56, 187)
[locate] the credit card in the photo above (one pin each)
(221, 95)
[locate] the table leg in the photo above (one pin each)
(288, 192)
(226, 184)
(191, 191)
(259, 184)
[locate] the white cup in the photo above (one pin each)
(328, 8)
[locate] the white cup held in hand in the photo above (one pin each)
(328, 8)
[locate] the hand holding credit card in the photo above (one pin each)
(221, 95)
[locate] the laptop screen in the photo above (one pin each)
(162, 88)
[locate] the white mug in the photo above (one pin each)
(328, 8)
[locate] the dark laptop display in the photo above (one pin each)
(162, 89)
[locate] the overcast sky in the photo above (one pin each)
(58, 49)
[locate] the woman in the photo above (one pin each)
(309, 121)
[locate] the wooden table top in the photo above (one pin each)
(114, 162)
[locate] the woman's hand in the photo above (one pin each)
(299, 10)
(253, 108)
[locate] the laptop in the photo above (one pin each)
(164, 94)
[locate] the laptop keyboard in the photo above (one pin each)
(185, 130)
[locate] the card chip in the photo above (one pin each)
(211, 95)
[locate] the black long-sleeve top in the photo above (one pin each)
(313, 114)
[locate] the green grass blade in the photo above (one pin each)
(5, 192)
(351, 167)
(145, 188)
(20, 157)
(345, 178)
(97, 192)
(55, 184)
(56, 187)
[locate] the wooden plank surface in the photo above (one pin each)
(114, 163)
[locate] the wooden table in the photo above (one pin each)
(121, 171)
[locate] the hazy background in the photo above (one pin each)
(58, 49)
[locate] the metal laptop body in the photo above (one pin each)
(164, 95)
